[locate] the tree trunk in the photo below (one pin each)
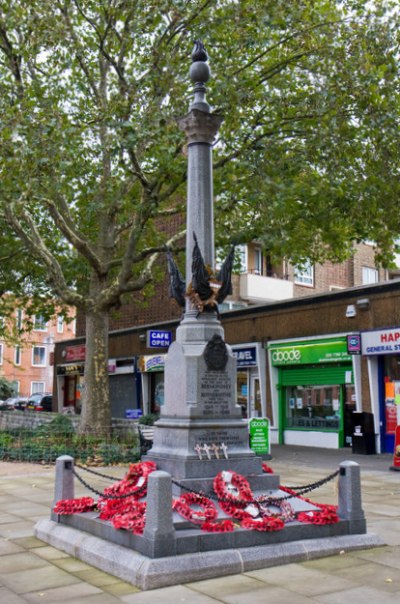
(96, 406)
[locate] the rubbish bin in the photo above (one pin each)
(363, 441)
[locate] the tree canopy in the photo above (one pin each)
(92, 162)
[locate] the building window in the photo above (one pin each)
(60, 324)
(40, 323)
(369, 275)
(304, 275)
(39, 356)
(17, 355)
(258, 261)
(19, 319)
(1, 354)
(16, 386)
(241, 257)
(37, 387)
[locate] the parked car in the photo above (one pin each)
(15, 402)
(40, 401)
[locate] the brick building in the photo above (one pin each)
(28, 364)
(295, 365)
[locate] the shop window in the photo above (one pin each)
(313, 407)
(242, 391)
(304, 275)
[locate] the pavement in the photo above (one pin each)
(32, 571)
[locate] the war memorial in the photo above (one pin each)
(204, 503)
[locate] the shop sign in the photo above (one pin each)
(311, 352)
(354, 343)
(245, 357)
(384, 341)
(133, 413)
(149, 363)
(259, 435)
(158, 339)
(75, 353)
(73, 369)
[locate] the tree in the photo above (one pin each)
(6, 388)
(91, 159)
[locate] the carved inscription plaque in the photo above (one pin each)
(216, 393)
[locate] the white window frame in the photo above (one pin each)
(304, 275)
(242, 255)
(369, 275)
(258, 261)
(17, 355)
(1, 354)
(19, 318)
(60, 324)
(17, 386)
(38, 387)
(36, 319)
(33, 356)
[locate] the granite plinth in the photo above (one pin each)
(195, 565)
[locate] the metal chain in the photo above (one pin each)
(96, 473)
(106, 496)
(301, 491)
(212, 496)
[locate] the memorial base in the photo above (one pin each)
(145, 572)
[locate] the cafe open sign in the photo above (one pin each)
(158, 339)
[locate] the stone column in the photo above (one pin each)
(349, 506)
(201, 430)
(64, 487)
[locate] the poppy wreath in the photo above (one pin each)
(267, 469)
(286, 512)
(263, 523)
(225, 526)
(183, 506)
(326, 514)
(135, 481)
(74, 506)
(133, 521)
(110, 507)
(234, 494)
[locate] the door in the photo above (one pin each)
(255, 398)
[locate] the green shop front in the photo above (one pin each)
(313, 392)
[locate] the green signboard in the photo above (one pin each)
(311, 352)
(259, 435)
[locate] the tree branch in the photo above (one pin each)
(38, 248)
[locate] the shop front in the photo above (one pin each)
(382, 349)
(250, 364)
(313, 391)
(124, 382)
(151, 368)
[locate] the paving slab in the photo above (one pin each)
(379, 485)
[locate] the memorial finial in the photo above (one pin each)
(199, 52)
(199, 74)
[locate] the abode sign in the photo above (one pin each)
(310, 352)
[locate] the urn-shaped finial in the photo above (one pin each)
(199, 74)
